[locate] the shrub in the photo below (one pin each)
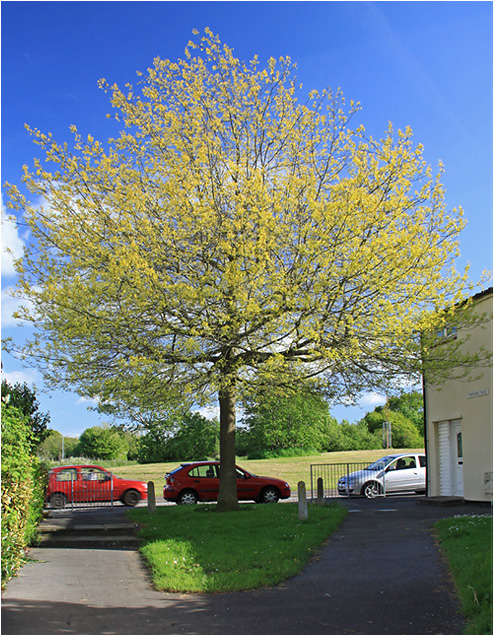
(292, 452)
(23, 490)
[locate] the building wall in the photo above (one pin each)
(467, 405)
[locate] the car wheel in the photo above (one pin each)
(269, 494)
(131, 498)
(58, 501)
(187, 497)
(371, 489)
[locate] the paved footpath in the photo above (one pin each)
(380, 573)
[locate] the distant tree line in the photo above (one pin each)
(272, 426)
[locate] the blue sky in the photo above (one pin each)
(427, 65)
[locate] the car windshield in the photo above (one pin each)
(379, 464)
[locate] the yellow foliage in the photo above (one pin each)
(230, 233)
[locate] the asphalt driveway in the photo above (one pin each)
(380, 573)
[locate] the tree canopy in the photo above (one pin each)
(301, 419)
(105, 443)
(24, 399)
(230, 238)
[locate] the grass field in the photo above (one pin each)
(195, 549)
(293, 470)
(467, 543)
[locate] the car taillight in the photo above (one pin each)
(170, 481)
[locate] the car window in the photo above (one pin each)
(408, 462)
(379, 464)
(94, 474)
(422, 461)
(203, 471)
(67, 475)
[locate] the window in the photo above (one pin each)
(402, 463)
(447, 332)
(203, 471)
(94, 474)
(459, 445)
(67, 475)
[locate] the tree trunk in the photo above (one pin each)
(227, 494)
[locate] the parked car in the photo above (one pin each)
(199, 481)
(390, 474)
(91, 483)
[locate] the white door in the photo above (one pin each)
(450, 458)
(457, 457)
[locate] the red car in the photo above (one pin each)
(199, 481)
(89, 484)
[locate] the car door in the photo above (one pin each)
(204, 479)
(96, 485)
(66, 481)
(421, 471)
(247, 485)
(403, 475)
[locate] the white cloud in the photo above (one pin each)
(372, 399)
(9, 306)
(12, 243)
(84, 400)
(28, 376)
(209, 412)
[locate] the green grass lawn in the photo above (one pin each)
(467, 543)
(293, 470)
(195, 549)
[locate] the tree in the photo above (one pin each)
(350, 437)
(411, 405)
(196, 439)
(231, 239)
(281, 422)
(104, 443)
(25, 400)
(53, 444)
(405, 412)
(190, 436)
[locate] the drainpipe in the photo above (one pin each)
(426, 431)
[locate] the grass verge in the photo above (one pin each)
(195, 549)
(467, 543)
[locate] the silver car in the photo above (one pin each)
(391, 474)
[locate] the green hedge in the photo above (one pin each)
(23, 491)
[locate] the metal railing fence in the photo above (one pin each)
(77, 493)
(346, 479)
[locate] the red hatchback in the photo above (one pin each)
(90, 484)
(199, 481)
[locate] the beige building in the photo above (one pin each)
(459, 425)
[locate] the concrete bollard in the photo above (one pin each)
(303, 512)
(151, 498)
(320, 492)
